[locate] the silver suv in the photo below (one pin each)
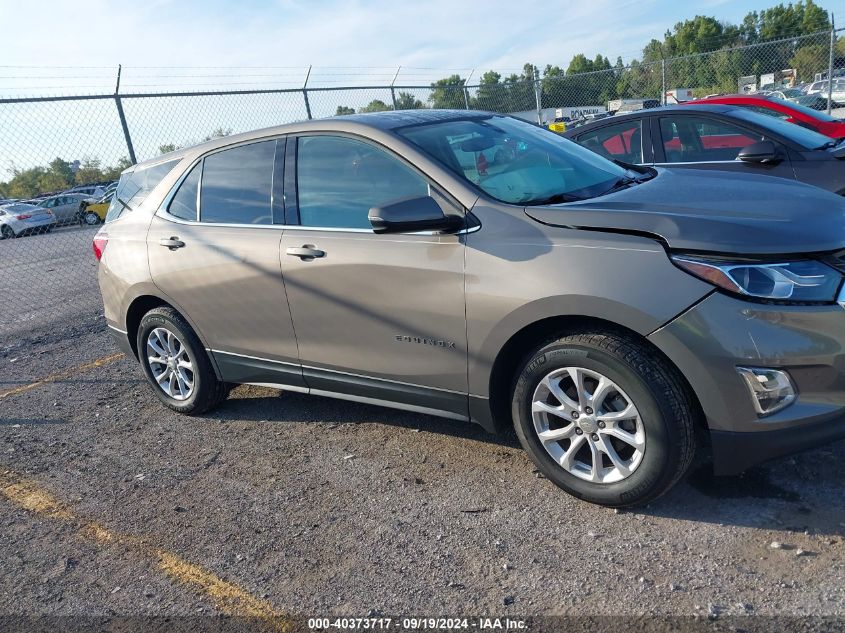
(477, 267)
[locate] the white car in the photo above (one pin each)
(821, 87)
(21, 219)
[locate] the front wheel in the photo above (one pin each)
(90, 218)
(605, 418)
(6, 232)
(176, 364)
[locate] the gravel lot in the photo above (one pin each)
(316, 507)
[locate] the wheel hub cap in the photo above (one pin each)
(588, 425)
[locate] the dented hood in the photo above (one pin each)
(720, 212)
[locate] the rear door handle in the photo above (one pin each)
(171, 242)
(306, 252)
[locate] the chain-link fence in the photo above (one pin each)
(50, 143)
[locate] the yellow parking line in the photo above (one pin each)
(62, 375)
(226, 596)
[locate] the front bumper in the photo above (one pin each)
(712, 338)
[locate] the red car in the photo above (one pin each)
(792, 112)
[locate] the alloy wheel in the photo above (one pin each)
(588, 425)
(170, 363)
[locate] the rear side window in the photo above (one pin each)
(237, 184)
(184, 203)
(134, 187)
(689, 139)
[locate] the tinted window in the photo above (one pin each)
(695, 139)
(236, 185)
(623, 141)
(184, 203)
(339, 179)
(768, 112)
(134, 187)
(515, 161)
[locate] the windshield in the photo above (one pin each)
(808, 139)
(514, 161)
(803, 105)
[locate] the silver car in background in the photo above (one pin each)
(66, 207)
(21, 219)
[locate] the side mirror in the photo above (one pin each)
(411, 215)
(760, 152)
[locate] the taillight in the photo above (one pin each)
(23, 216)
(100, 242)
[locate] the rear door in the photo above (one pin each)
(697, 141)
(214, 251)
(377, 317)
(628, 141)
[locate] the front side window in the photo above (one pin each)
(237, 184)
(623, 141)
(690, 139)
(514, 161)
(339, 179)
(134, 187)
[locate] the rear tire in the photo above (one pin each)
(624, 438)
(90, 218)
(182, 376)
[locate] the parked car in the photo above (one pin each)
(719, 137)
(95, 212)
(786, 94)
(803, 112)
(91, 191)
(611, 315)
(66, 207)
(19, 219)
(822, 87)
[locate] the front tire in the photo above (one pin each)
(90, 218)
(604, 418)
(6, 232)
(176, 364)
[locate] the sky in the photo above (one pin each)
(275, 42)
(69, 47)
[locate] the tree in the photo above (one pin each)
(90, 170)
(448, 93)
(376, 105)
(341, 110)
(166, 148)
(808, 60)
(219, 132)
(491, 94)
(407, 101)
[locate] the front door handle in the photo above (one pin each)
(306, 253)
(172, 242)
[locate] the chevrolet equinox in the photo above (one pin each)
(477, 267)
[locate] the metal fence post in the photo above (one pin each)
(538, 97)
(122, 117)
(830, 64)
(663, 79)
(466, 89)
(392, 91)
(305, 94)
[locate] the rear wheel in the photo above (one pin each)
(604, 418)
(176, 363)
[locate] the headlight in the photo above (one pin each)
(799, 281)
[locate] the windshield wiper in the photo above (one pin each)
(557, 198)
(623, 183)
(828, 145)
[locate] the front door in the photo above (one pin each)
(214, 249)
(377, 317)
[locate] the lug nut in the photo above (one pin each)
(579, 432)
(594, 437)
(601, 424)
(574, 415)
(588, 411)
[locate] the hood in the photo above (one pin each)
(721, 212)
